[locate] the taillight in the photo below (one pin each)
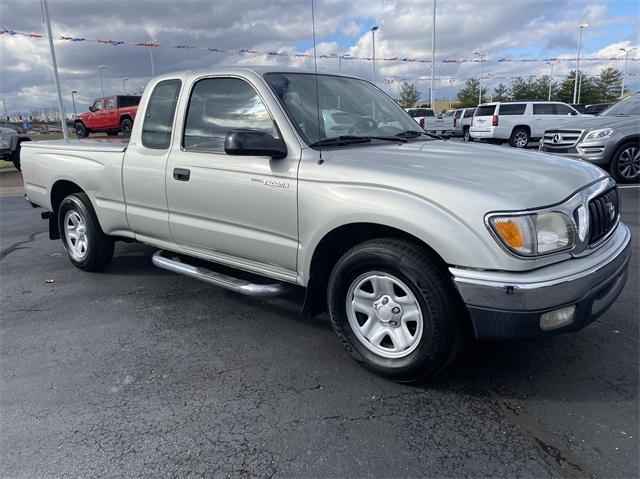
(494, 121)
(422, 122)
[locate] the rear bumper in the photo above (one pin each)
(489, 132)
(510, 305)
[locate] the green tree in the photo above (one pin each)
(540, 88)
(501, 92)
(468, 94)
(409, 94)
(587, 89)
(522, 89)
(607, 85)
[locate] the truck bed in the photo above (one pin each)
(93, 164)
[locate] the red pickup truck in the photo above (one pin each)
(110, 114)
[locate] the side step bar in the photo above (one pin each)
(222, 280)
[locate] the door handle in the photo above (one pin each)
(181, 174)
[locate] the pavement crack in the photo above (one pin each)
(19, 244)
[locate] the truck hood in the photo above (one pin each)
(608, 121)
(445, 171)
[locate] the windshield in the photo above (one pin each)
(627, 106)
(348, 106)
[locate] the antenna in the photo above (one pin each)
(315, 67)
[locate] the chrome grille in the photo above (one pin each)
(561, 138)
(603, 215)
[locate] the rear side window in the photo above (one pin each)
(450, 113)
(158, 119)
(457, 114)
(564, 109)
(485, 110)
(420, 112)
(544, 109)
(468, 113)
(513, 109)
(129, 100)
(218, 105)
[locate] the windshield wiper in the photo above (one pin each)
(416, 134)
(352, 139)
(341, 140)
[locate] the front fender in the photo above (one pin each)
(323, 208)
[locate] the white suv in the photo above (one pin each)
(518, 122)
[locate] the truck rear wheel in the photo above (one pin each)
(81, 130)
(395, 310)
(87, 246)
(126, 126)
(466, 135)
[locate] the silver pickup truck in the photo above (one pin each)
(409, 241)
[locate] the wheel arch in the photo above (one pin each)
(524, 127)
(335, 243)
(125, 116)
(59, 191)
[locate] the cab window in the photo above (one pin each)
(218, 105)
(158, 118)
(97, 105)
(109, 104)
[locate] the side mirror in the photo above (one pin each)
(91, 108)
(248, 142)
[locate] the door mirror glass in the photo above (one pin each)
(250, 142)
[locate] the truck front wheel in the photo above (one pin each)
(395, 310)
(87, 246)
(81, 130)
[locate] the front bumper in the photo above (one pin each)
(597, 153)
(506, 305)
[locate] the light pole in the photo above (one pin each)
(153, 71)
(624, 75)
(432, 96)
(481, 55)
(100, 68)
(374, 29)
(550, 79)
(73, 100)
(6, 117)
(576, 98)
(124, 85)
(54, 63)
(451, 82)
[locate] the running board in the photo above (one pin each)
(237, 285)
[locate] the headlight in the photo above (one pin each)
(600, 134)
(535, 234)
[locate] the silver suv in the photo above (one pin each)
(611, 139)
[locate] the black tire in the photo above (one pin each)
(125, 127)
(80, 129)
(520, 138)
(15, 157)
(466, 135)
(441, 308)
(625, 163)
(99, 247)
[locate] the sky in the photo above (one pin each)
(501, 28)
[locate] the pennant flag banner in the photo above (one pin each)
(251, 51)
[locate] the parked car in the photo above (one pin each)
(427, 119)
(610, 140)
(11, 144)
(462, 123)
(518, 122)
(596, 108)
(111, 114)
(408, 241)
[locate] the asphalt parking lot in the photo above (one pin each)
(139, 372)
